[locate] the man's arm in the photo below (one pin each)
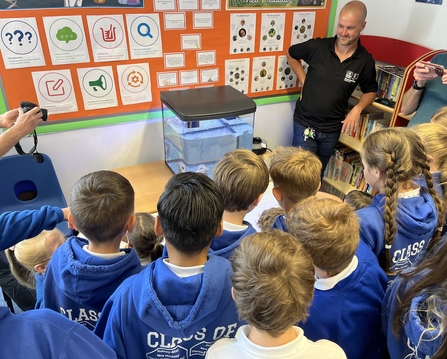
(296, 67)
(353, 116)
(411, 99)
(23, 125)
(8, 118)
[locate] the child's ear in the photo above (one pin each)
(319, 186)
(157, 227)
(40, 268)
(232, 293)
(71, 222)
(277, 194)
(130, 224)
(256, 202)
(219, 229)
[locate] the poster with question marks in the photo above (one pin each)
(66, 39)
(20, 43)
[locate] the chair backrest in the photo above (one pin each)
(27, 184)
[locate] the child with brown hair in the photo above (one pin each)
(405, 218)
(350, 284)
(358, 199)
(296, 176)
(83, 274)
(242, 177)
(144, 240)
(273, 282)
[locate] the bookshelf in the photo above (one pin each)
(395, 62)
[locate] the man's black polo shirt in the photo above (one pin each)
(329, 83)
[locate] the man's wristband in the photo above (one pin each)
(416, 87)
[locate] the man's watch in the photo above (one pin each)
(416, 87)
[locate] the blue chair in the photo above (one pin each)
(28, 184)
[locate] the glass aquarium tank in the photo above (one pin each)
(201, 125)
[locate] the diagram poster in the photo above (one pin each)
(285, 77)
(303, 27)
(20, 43)
(237, 72)
(272, 32)
(271, 4)
(262, 74)
(242, 33)
(46, 4)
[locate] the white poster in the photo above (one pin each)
(237, 72)
(54, 91)
(108, 39)
(242, 33)
(302, 27)
(144, 36)
(97, 87)
(66, 39)
(20, 46)
(135, 83)
(285, 77)
(262, 74)
(272, 32)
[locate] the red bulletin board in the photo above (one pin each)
(18, 83)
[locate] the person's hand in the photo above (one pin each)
(350, 122)
(422, 74)
(8, 118)
(27, 122)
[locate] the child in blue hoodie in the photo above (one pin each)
(414, 309)
(350, 284)
(83, 274)
(242, 177)
(404, 217)
(179, 305)
(42, 333)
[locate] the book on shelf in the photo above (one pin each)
(369, 122)
(389, 79)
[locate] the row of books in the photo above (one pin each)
(369, 123)
(389, 79)
(345, 166)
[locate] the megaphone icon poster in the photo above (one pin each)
(97, 82)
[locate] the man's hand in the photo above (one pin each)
(8, 118)
(27, 122)
(350, 122)
(422, 74)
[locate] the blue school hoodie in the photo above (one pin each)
(349, 314)
(157, 314)
(20, 225)
(77, 284)
(225, 245)
(45, 334)
(280, 223)
(417, 219)
(413, 340)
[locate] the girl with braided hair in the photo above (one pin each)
(402, 221)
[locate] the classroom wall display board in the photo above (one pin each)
(84, 59)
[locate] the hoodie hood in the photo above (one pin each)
(280, 223)
(225, 244)
(423, 342)
(75, 281)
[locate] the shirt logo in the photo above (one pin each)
(351, 77)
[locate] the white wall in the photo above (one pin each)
(76, 153)
(407, 20)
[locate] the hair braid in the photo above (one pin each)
(390, 208)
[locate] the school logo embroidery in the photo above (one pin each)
(351, 77)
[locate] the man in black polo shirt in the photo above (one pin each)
(336, 66)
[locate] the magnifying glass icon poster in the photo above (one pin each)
(144, 30)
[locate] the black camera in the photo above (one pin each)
(26, 106)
